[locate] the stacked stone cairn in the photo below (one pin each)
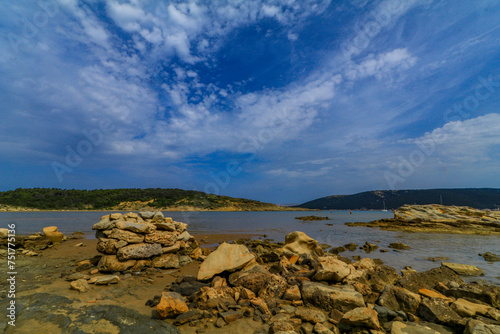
(138, 241)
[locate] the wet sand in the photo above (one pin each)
(44, 274)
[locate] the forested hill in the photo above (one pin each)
(479, 198)
(126, 199)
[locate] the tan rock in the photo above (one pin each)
(106, 246)
(292, 293)
(361, 316)
(80, 285)
(165, 238)
(247, 294)
(141, 264)
(310, 314)
(109, 263)
(227, 257)
(365, 264)
(4, 232)
(300, 243)
(465, 308)
(331, 269)
(53, 234)
(107, 279)
(165, 226)
(341, 297)
(171, 304)
(172, 249)
(463, 269)
(166, 261)
(433, 294)
(115, 216)
(144, 228)
(130, 237)
(104, 224)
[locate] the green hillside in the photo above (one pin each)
(126, 199)
(479, 198)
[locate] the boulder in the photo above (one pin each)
(490, 257)
(463, 269)
(146, 214)
(361, 317)
(478, 327)
(165, 238)
(130, 237)
(398, 327)
(110, 263)
(331, 269)
(53, 234)
(107, 245)
(275, 287)
(292, 293)
(253, 278)
(166, 261)
(104, 224)
(399, 299)
(227, 257)
(310, 314)
(80, 285)
(165, 226)
(341, 297)
(115, 216)
(488, 294)
(171, 304)
(300, 243)
(437, 311)
(365, 264)
(428, 279)
(144, 228)
(139, 251)
(158, 215)
(465, 308)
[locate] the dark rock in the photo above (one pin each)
(428, 279)
(188, 317)
(369, 247)
(231, 315)
(437, 311)
(188, 288)
(351, 246)
(336, 250)
(399, 245)
(490, 257)
(438, 259)
(253, 279)
(220, 323)
(153, 302)
(397, 299)
(487, 294)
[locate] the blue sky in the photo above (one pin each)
(279, 101)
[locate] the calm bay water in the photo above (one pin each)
(459, 248)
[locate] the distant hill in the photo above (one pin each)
(479, 198)
(126, 200)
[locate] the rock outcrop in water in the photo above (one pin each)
(440, 219)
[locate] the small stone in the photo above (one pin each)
(106, 280)
(310, 314)
(171, 304)
(399, 245)
(80, 285)
(361, 316)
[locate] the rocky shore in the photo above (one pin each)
(146, 274)
(434, 218)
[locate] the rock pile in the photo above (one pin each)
(294, 287)
(136, 241)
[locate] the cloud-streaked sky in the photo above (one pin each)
(280, 100)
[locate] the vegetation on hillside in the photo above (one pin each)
(105, 199)
(479, 198)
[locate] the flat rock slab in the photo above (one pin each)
(463, 269)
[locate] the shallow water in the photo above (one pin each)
(459, 248)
